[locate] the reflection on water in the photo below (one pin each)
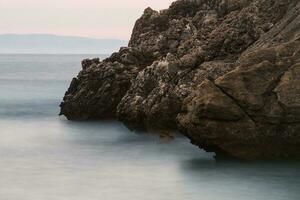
(45, 157)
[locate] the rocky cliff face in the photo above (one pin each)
(225, 72)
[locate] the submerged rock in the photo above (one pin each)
(225, 72)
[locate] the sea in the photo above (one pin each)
(43, 156)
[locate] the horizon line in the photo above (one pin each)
(58, 35)
(55, 54)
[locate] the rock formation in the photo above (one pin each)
(226, 73)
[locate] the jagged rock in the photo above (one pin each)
(257, 91)
(225, 72)
(86, 100)
(257, 86)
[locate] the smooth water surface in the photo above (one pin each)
(45, 157)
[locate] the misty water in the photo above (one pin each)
(45, 157)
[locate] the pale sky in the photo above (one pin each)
(90, 18)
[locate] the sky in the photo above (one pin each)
(89, 18)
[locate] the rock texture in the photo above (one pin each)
(225, 72)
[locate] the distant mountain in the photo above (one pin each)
(54, 44)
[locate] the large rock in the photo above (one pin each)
(86, 100)
(252, 111)
(226, 72)
(265, 86)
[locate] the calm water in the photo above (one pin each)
(45, 157)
